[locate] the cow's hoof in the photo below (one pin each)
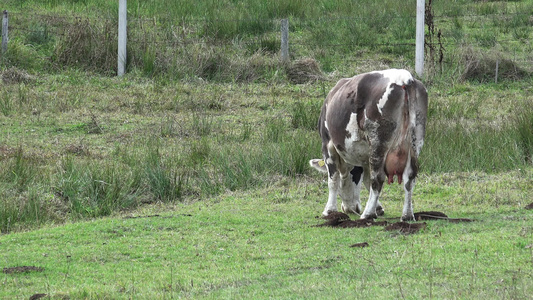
(370, 216)
(408, 218)
(328, 212)
(351, 210)
(380, 211)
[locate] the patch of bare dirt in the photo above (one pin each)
(430, 215)
(406, 228)
(342, 220)
(529, 206)
(437, 215)
(22, 269)
(360, 245)
(37, 296)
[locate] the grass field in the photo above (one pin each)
(189, 176)
(262, 244)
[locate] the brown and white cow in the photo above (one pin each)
(372, 127)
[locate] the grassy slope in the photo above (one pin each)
(257, 243)
(262, 244)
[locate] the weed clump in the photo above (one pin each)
(304, 71)
(14, 75)
(93, 46)
(481, 66)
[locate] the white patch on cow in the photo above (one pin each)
(396, 76)
(353, 129)
(384, 98)
(326, 125)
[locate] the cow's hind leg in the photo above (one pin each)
(408, 186)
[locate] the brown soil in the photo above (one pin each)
(529, 206)
(342, 220)
(437, 215)
(406, 228)
(360, 245)
(430, 215)
(37, 296)
(22, 269)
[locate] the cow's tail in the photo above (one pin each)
(318, 164)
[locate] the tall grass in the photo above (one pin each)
(215, 40)
(449, 148)
(523, 124)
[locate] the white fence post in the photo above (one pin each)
(285, 40)
(419, 49)
(4, 32)
(122, 36)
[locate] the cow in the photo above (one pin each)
(372, 128)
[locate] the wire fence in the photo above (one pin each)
(512, 39)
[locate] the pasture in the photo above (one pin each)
(189, 177)
(126, 188)
(263, 244)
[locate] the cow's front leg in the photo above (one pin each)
(333, 187)
(380, 211)
(370, 211)
(350, 191)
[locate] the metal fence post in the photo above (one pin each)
(285, 40)
(122, 36)
(419, 49)
(4, 32)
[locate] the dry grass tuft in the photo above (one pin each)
(304, 71)
(93, 46)
(14, 75)
(481, 66)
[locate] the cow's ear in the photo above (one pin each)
(318, 164)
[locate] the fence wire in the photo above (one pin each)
(165, 32)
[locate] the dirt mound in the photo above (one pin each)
(437, 215)
(406, 228)
(304, 71)
(430, 215)
(342, 220)
(22, 269)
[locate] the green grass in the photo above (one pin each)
(208, 134)
(262, 244)
(84, 146)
